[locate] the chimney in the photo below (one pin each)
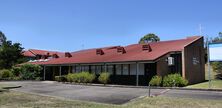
(121, 50)
(99, 52)
(146, 47)
(67, 54)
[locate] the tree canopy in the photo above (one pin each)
(2, 38)
(218, 38)
(149, 38)
(10, 53)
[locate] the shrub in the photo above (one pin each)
(5, 73)
(16, 71)
(156, 81)
(30, 71)
(70, 77)
(61, 78)
(174, 80)
(104, 77)
(16, 78)
(82, 77)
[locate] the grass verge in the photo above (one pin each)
(14, 99)
(215, 84)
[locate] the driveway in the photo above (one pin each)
(110, 95)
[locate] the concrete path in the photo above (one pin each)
(110, 95)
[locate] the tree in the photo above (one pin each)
(218, 38)
(2, 38)
(149, 38)
(10, 53)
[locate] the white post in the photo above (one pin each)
(105, 67)
(60, 71)
(137, 74)
(208, 63)
(44, 73)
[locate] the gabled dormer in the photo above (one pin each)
(121, 50)
(99, 52)
(67, 54)
(55, 56)
(146, 47)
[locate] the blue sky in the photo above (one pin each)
(70, 25)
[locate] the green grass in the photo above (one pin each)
(14, 99)
(215, 84)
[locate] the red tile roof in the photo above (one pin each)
(34, 52)
(134, 52)
(28, 54)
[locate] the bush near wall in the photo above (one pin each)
(62, 78)
(27, 72)
(156, 81)
(82, 77)
(174, 80)
(104, 77)
(171, 80)
(6, 74)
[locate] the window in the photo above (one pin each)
(93, 69)
(118, 69)
(85, 68)
(133, 69)
(78, 68)
(125, 69)
(98, 69)
(110, 69)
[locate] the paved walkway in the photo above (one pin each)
(110, 95)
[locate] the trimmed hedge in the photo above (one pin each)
(156, 81)
(174, 80)
(104, 77)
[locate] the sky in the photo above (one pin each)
(71, 25)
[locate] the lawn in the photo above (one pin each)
(215, 84)
(14, 99)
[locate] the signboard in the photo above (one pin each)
(215, 52)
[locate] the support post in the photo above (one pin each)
(208, 63)
(60, 71)
(44, 72)
(149, 90)
(105, 67)
(137, 74)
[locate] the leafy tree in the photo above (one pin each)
(217, 67)
(149, 38)
(2, 38)
(10, 53)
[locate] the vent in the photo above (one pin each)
(146, 47)
(170, 61)
(67, 54)
(99, 52)
(47, 54)
(55, 56)
(44, 57)
(121, 50)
